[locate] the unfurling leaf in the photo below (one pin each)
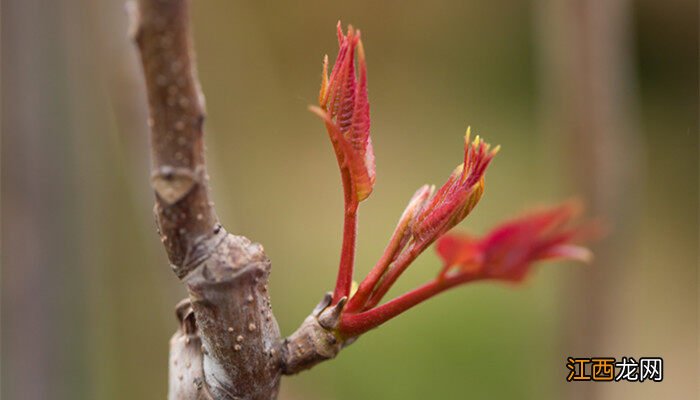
(509, 251)
(344, 107)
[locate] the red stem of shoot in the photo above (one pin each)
(397, 268)
(357, 302)
(343, 283)
(356, 324)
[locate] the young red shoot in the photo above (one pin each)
(436, 215)
(507, 253)
(344, 108)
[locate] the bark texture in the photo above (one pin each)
(228, 345)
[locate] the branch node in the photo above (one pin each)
(315, 341)
(330, 316)
(173, 183)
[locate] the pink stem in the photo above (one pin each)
(352, 325)
(398, 267)
(343, 283)
(357, 302)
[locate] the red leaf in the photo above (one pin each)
(510, 250)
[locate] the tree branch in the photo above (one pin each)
(226, 275)
(184, 213)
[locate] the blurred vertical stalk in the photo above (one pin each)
(42, 328)
(587, 85)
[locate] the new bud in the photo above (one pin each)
(459, 195)
(344, 107)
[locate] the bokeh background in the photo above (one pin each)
(589, 99)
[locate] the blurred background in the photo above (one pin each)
(595, 99)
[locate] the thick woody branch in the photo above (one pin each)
(184, 213)
(229, 342)
(240, 337)
(228, 345)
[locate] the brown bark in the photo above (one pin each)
(228, 345)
